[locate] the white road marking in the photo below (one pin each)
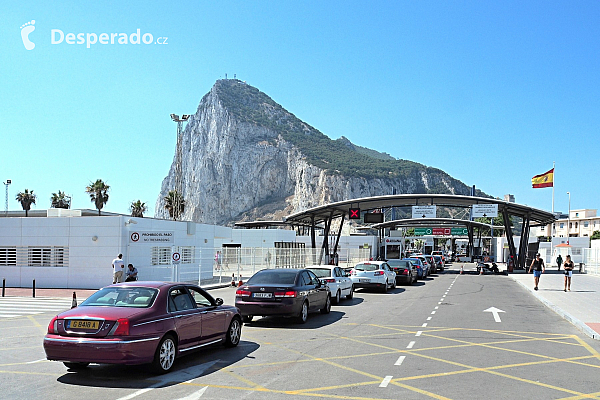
(400, 360)
(433, 312)
(36, 361)
(436, 307)
(385, 381)
(410, 345)
(424, 325)
(428, 318)
(419, 333)
(494, 311)
(439, 302)
(195, 395)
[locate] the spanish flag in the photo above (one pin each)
(544, 180)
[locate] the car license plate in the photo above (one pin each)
(364, 280)
(82, 324)
(263, 295)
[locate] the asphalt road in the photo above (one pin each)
(431, 340)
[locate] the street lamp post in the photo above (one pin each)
(8, 182)
(569, 219)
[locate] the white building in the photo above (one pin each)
(581, 223)
(75, 248)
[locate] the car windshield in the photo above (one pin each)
(137, 297)
(398, 263)
(321, 272)
(366, 267)
(437, 258)
(273, 277)
(415, 260)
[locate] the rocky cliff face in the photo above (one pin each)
(244, 157)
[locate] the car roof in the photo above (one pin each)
(322, 266)
(372, 262)
(147, 284)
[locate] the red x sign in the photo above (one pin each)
(354, 213)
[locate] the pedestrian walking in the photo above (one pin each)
(568, 272)
(559, 261)
(118, 269)
(538, 267)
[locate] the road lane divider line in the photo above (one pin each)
(419, 333)
(410, 345)
(433, 312)
(196, 395)
(400, 360)
(424, 325)
(428, 318)
(385, 381)
(36, 361)
(436, 307)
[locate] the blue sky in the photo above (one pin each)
(490, 92)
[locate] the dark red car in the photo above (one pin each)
(140, 323)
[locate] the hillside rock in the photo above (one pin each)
(244, 157)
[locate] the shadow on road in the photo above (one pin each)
(210, 359)
(315, 320)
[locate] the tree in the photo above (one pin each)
(60, 200)
(26, 199)
(595, 235)
(138, 209)
(174, 204)
(98, 192)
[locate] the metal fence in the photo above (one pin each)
(224, 265)
(591, 261)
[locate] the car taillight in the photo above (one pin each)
(377, 273)
(353, 272)
(288, 293)
(122, 327)
(329, 280)
(53, 325)
(242, 292)
(405, 272)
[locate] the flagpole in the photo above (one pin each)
(553, 183)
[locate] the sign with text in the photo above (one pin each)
(373, 218)
(423, 211)
(484, 210)
(442, 231)
(459, 231)
(151, 237)
(423, 231)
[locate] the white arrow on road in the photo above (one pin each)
(494, 311)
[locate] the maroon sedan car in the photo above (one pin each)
(140, 323)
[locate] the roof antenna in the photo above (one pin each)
(234, 76)
(225, 76)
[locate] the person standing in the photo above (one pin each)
(559, 261)
(118, 269)
(568, 272)
(538, 267)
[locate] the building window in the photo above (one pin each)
(8, 256)
(47, 256)
(562, 225)
(576, 214)
(586, 224)
(161, 255)
(187, 254)
(570, 225)
(576, 225)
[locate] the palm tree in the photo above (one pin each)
(26, 199)
(138, 209)
(98, 192)
(175, 204)
(60, 200)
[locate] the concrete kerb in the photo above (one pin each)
(579, 324)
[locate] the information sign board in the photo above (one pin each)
(459, 231)
(442, 231)
(484, 210)
(423, 211)
(423, 231)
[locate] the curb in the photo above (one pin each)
(579, 324)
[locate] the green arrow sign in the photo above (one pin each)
(423, 231)
(459, 231)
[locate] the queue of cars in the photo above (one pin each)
(156, 322)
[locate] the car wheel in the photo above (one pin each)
(164, 358)
(247, 318)
(303, 313)
(327, 307)
(351, 294)
(338, 297)
(76, 366)
(394, 284)
(234, 333)
(385, 287)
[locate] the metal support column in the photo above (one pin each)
(337, 240)
(522, 259)
(325, 244)
(509, 236)
(470, 245)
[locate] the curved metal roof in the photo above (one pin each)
(335, 210)
(433, 222)
(271, 224)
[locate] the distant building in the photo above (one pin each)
(582, 223)
(509, 198)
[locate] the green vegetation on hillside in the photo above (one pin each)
(338, 157)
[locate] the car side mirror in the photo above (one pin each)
(219, 301)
